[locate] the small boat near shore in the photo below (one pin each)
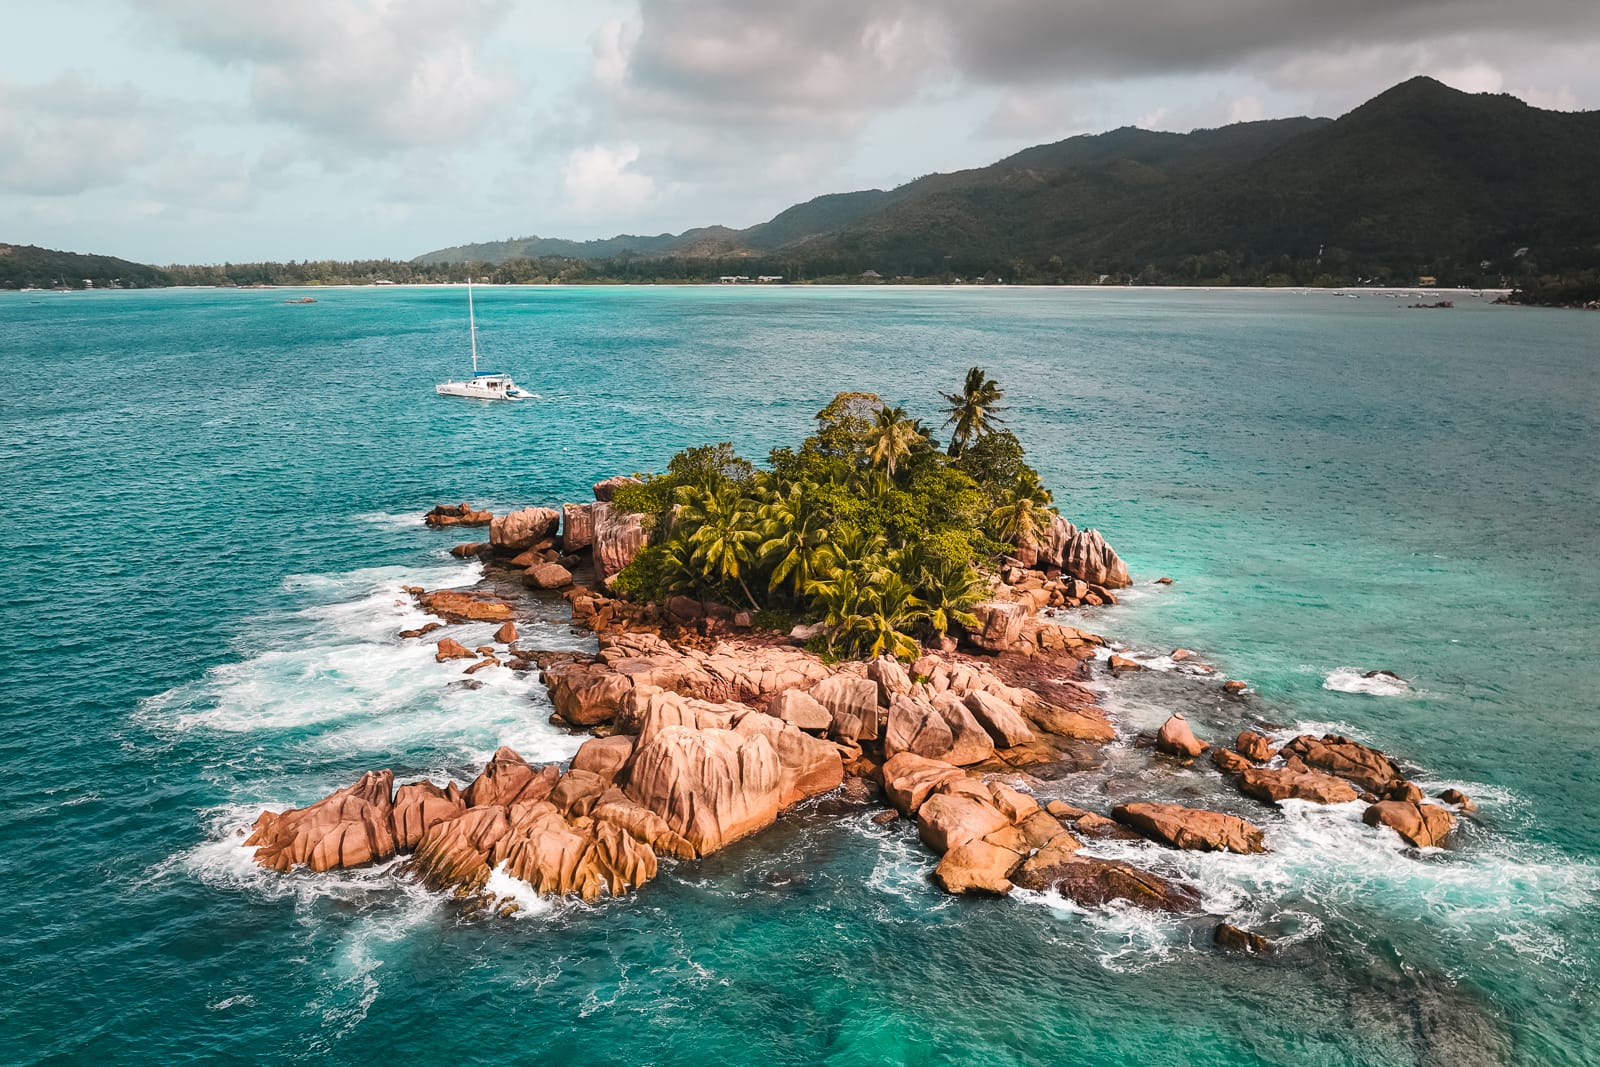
(483, 385)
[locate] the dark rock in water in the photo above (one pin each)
(1235, 687)
(457, 515)
(421, 631)
(1092, 882)
(468, 684)
(784, 878)
(1234, 939)
(1383, 674)
(884, 818)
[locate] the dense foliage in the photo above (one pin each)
(867, 526)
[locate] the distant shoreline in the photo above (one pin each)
(1300, 290)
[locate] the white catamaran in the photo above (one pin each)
(484, 384)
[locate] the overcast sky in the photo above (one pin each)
(204, 130)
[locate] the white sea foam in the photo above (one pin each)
(1355, 680)
(505, 887)
(335, 674)
(389, 520)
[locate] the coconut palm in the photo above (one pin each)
(892, 437)
(722, 536)
(974, 411)
(947, 593)
(794, 538)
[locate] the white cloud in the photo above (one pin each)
(67, 136)
(599, 181)
(362, 76)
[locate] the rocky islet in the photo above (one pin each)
(706, 730)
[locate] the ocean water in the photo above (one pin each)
(213, 500)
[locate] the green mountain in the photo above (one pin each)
(24, 266)
(1422, 178)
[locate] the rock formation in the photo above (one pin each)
(1176, 739)
(618, 537)
(1191, 828)
(519, 531)
(457, 515)
(577, 527)
(352, 827)
(1424, 825)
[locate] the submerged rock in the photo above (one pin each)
(1228, 936)
(1091, 882)
(457, 515)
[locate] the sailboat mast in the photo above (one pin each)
(472, 326)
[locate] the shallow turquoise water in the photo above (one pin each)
(213, 505)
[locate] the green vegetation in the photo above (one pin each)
(26, 266)
(867, 526)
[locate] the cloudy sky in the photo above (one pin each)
(204, 130)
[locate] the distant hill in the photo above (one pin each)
(1421, 177)
(22, 266)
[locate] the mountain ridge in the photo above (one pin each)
(1418, 173)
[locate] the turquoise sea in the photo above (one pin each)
(213, 498)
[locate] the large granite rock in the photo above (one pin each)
(351, 827)
(457, 605)
(1176, 739)
(910, 779)
(852, 701)
(420, 806)
(946, 820)
(976, 866)
(801, 709)
(999, 625)
(1191, 828)
(560, 858)
(508, 778)
(455, 854)
(519, 531)
(457, 515)
(618, 537)
(577, 527)
(1083, 554)
(605, 490)
(1002, 721)
(711, 786)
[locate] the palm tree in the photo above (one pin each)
(974, 411)
(1026, 513)
(947, 593)
(795, 541)
(893, 435)
(723, 537)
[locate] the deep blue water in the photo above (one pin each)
(212, 505)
